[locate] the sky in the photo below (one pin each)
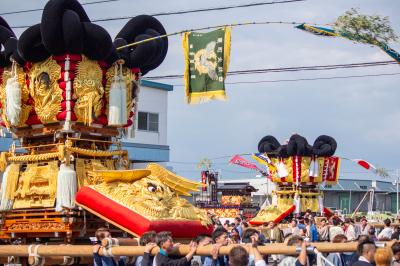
(362, 114)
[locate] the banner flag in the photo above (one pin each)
(207, 57)
(244, 163)
(331, 33)
(262, 158)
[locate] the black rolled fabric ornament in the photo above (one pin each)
(324, 146)
(299, 146)
(268, 144)
(140, 28)
(162, 48)
(97, 42)
(30, 45)
(143, 54)
(72, 32)
(120, 54)
(61, 24)
(282, 151)
(8, 41)
(5, 24)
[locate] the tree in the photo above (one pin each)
(204, 164)
(366, 29)
(382, 172)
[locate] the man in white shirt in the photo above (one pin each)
(386, 233)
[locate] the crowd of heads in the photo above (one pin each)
(298, 231)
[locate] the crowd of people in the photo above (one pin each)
(299, 232)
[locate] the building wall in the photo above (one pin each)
(382, 201)
(152, 100)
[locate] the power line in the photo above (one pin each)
(182, 12)
(290, 69)
(304, 79)
(40, 9)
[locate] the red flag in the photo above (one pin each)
(243, 162)
(365, 164)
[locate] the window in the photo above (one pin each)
(148, 121)
(363, 187)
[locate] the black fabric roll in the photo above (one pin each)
(299, 146)
(97, 43)
(282, 151)
(324, 146)
(30, 45)
(268, 144)
(8, 41)
(3, 62)
(72, 32)
(55, 32)
(140, 28)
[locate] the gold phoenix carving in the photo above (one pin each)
(45, 91)
(88, 90)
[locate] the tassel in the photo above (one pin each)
(3, 161)
(274, 199)
(282, 171)
(66, 187)
(4, 187)
(114, 115)
(13, 98)
(321, 204)
(312, 168)
(8, 186)
(122, 85)
(316, 167)
(297, 203)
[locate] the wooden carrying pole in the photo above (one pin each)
(86, 250)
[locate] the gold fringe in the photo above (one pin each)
(3, 161)
(12, 181)
(201, 97)
(80, 172)
(186, 75)
(227, 49)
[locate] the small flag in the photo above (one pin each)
(262, 158)
(207, 58)
(244, 163)
(364, 164)
(332, 33)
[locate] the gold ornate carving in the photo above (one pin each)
(88, 90)
(36, 226)
(44, 89)
(96, 153)
(25, 109)
(86, 167)
(37, 186)
(179, 184)
(120, 175)
(34, 157)
(153, 198)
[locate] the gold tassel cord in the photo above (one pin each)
(60, 154)
(34, 157)
(186, 78)
(96, 153)
(227, 49)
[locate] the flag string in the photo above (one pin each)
(210, 27)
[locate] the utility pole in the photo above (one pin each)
(397, 192)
